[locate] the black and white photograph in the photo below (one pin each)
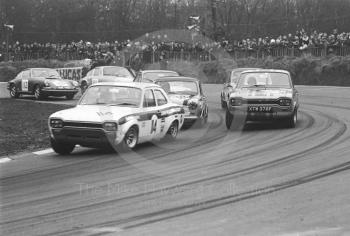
(174, 117)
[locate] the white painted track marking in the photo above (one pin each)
(4, 160)
(43, 152)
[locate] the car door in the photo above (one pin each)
(149, 117)
(95, 76)
(162, 107)
(25, 79)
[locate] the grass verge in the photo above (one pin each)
(23, 125)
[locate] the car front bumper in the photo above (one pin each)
(87, 137)
(277, 112)
(58, 92)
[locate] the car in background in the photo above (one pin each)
(149, 76)
(118, 115)
(231, 84)
(263, 94)
(105, 74)
(42, 82)
(188, 92)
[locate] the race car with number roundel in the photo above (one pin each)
(42, 82)
(103, 74)
(263, 95)
(118, 115)
(186, 91)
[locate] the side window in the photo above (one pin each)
(19, 76)
(148, 100)
(90, 73)
(26, 74)
(200, 88)
(138, 77)
(97, 72)
(161, 99)
(147, 80)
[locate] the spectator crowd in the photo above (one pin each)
(101, 50)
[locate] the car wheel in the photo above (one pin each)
(203, 119)
(291, 122)
(228, 119)
(223, 103)
(62, 148)
(130, 140)
(83, 87)
(70, 96)
(172, 132)
(13, 91)
(38, 93)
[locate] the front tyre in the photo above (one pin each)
(38, 94)
(13, 92)
(61, 147)
(291, 121)
(172, 132)
(130, 140)
(228, 119)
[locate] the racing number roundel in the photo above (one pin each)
(24, 85)
(154, 124)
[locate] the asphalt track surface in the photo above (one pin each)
(263, 180)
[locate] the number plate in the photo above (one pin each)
(259, 109)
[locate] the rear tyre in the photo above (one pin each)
(61, 147)
(38, 94)
(130, 140)
(13, 92)
(172, 132)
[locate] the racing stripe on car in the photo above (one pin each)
(144, 116)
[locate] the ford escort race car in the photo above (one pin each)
(102, 74)
(42, 82)
(120, 115)
(263, 94)
(188, 92)
(149, 76)
(231, 84)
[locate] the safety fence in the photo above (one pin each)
(129, 57)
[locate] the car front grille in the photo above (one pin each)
(82, 125)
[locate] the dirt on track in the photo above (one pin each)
(263, 180)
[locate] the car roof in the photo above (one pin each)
(175, 78)
(244, 68)
(129, 84)
(267, 71)
(158, 71)
(40, 68)
(108, 66)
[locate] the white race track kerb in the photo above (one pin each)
(43, 152)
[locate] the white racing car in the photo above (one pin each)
(120, 115)
(263, 94)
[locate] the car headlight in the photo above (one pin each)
(285, 102)
(47, 83)
(235, 101)
(56, 123)
(75, 83)
(110, 126)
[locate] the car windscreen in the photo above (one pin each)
(117, 71)
(45, 73)
(179, 87)
(264, 79)
(156, 75)
(112, 95)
